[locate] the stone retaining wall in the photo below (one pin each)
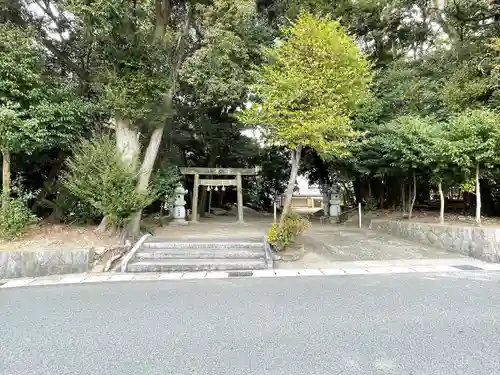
(478, 242)
(14, 264)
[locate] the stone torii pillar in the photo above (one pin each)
(239, 191)
(194, 205)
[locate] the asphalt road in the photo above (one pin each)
(376, 324)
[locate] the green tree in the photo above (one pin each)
(308, 92)
(407, 144)
(36, 111)
(475, 145)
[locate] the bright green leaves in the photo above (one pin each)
(409, 142)
(438, 149)
(475, 138)
(308, 92)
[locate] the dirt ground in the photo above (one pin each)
(46, 235)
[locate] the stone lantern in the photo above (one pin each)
(335, 202)
(179, 213)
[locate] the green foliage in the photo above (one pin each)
(308, 92)
(97, 174)
(165, 181)
(407, 141)
(37, 110)
(71, 210)
(15, 217)
(474, 139)
(294, 224)
(220, 70)
(468, 185)
(271, 180)
(129, 67)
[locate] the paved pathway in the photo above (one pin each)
(346, 243)
(323, 244)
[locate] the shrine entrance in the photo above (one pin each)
(211, 183)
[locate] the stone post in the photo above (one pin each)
(239, 188)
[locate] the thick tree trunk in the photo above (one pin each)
(5, 178)
(127, 141)
(414, 195)
(296, 153)
(168, 98)
(441, 201)
(478, 197)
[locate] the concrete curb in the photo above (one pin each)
(85, 278)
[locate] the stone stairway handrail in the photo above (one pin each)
(126, 259)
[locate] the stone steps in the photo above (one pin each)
(162, 255)
(201, 245)
(191, 265)
(200, 253)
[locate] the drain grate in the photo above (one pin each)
(468, 267)
(240, 273)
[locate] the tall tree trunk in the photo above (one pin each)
(441, 201)
(296, 153)
(414, 195)
(403, 197)
(5, 178)
(155, 140)
(478, 197)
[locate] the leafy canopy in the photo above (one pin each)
(36, 109)
(475, 138)
(308, 92)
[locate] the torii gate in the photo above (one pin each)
(238, 172)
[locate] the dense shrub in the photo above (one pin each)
(97, 175)
(280, 237)
(72, 210)
(15, 218)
